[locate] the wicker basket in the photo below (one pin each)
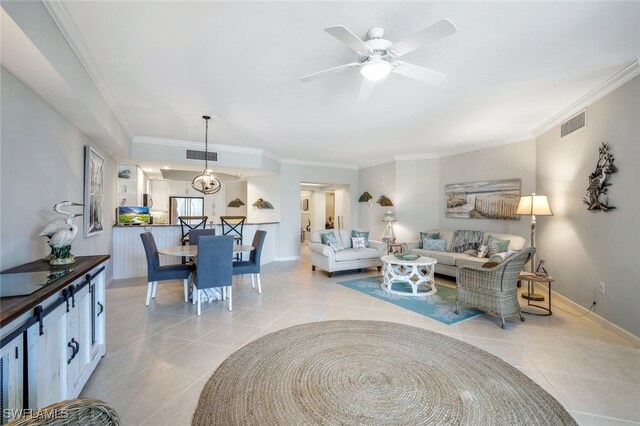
(79, 411)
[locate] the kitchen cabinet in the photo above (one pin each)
(179, 188)
(11, 369)
(160, 195)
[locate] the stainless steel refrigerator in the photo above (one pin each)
(185, 206)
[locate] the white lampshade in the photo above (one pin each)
(376, 69)
(389, 217)
(534, 205)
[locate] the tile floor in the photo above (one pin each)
(160, 357)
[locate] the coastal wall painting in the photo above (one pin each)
(93, 192)
(488, 199)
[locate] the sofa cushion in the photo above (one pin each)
(361, 234)
(336, 246)
(443, 257)
(516, 242)
(328, 238)
(445, 235)
(428, 235)
(433, 244)
(496, 245)
(358, 242)
(356, 254)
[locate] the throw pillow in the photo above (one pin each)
(328, 238)
(361, 234)
(431, 244)
(429, 235)
(490, 264)
(358, 242)
(482, 251)
(336, 246)
(496, 245)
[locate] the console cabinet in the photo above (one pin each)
(60, 341)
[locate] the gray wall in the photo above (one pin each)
(515, 160)
(417, 197)
(42, 158)
(582, 247)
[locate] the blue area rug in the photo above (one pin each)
(439, 306)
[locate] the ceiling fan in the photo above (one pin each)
(376, 56)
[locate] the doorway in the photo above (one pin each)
(323, 206)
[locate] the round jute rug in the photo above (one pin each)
(370, 373)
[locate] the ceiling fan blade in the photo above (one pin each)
(329, 71)
(415, 72)
(348, 38)
(422, 38)
(366, 90)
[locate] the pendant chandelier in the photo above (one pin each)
(206, 183)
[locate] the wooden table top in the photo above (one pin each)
(192, 251)
(12, 307)
(536, 278)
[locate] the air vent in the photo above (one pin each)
(192, 154)
(573, 124)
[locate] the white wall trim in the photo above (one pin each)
(319, 164)
(108, 282)
(408, 157)
(68, 28)
(286, 259)
(592, 316)
(623, 76)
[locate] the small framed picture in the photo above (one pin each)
(540, 268)
(93, 192)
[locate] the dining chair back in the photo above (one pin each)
(156, 273)
(233, 225)
(214, 265)
(196, 234)
(252, 266)
(187, 223)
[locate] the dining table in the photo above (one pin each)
(207, 294)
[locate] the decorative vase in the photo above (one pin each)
(61, 255)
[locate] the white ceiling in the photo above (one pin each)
(510, 67)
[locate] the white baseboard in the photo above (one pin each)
(592, 316)
(285, 259)
(108, 282)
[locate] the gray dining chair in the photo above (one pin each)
(214, 266)
(196, 234)
(252, 266)
(156, 273)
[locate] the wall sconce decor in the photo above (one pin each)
(262, 204)
(235, 203)
(597, 197)
(364, 197)
(384, 201)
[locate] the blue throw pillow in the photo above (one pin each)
(362, 234)
(431, 244)
(497, 245)
(429, 235)
(328, 238)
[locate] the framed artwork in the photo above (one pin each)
(305, 204)
(488, 199)
(93, 192)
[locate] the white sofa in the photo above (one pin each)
(324, 257)
(448, 261)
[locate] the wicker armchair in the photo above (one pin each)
(493, 289)
(72, 412)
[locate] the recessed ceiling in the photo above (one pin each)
(510, 67)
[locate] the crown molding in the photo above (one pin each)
(627, 73)
(319, 164)
(406, 157)
(70, 32)
(520, 138)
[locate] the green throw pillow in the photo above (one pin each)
(433, 244)
(362, 234)
(428, 236)
(497, 245)
(328, 238)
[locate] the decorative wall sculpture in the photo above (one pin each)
(597, 192)
(489, 199)
(235, 203)
(262, 204)
(384, 201)
(364, 197)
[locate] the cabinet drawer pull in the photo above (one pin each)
(75, 348)
(101, 308)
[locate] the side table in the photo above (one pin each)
(531, 279)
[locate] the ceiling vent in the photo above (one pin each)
(192, 154)
(573, 124)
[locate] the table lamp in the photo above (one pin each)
(532, 205)
(389, 235)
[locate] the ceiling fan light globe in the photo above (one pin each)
(376, 70)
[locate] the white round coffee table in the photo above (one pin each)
(413, 272)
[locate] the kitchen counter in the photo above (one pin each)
(12, 308)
